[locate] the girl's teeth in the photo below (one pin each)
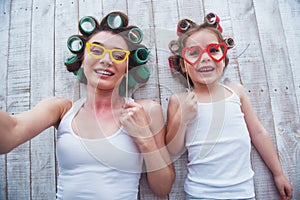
(206, 69)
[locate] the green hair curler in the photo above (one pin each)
(87, 25)
(141, 55)
(141, 74)
(75, 44)
(115, 21)
(135, 35)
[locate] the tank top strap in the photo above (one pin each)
(76, 106)
(228, 88)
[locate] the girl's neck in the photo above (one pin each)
(209, 93)
(207, 88)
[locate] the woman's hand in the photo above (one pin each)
(135, 120)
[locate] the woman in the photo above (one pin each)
(103, 139)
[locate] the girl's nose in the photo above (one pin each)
(205, 57)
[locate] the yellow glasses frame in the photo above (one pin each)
(111, 52)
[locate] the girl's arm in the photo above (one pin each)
(181, 110)
(262, 142)
(148, 132)
(19, 128)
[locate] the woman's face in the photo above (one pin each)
(204, 69)
(104, 69)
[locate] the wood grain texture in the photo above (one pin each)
(18, 95)
(4, 35)
(42, 157)
(33, 37)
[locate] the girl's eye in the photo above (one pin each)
(196, 52)
(213, 50)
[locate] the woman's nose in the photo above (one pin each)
(106, 59)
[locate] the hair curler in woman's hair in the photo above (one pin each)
(141, 55)
(73, 63)
(229, 41)
(87, 25)
(184, 25)
(141, 74)
(136, 76)
(213, 19)
(135, 35)
(76, 44)
(114, 20)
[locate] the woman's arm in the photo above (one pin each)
(19, 128)
(181, 109)
(145, 124)
(262, 142)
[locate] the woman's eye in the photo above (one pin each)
(119, 56)
(97, 51)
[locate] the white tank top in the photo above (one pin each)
(219, 149)
(102, 169)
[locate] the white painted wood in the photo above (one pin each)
(289, 10)
(4, 35)
(18, 95)
(267, 48)
(42, 157)
(283, 101)
(66, 23)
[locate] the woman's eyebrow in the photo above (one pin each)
(98, 43)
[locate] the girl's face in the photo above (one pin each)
(204, 69)
(105, 60)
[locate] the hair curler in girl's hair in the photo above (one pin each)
(184, 25)
(174, 46)
(213, 19)
(174, 63)
(229, 41)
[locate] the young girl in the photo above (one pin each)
(215, 122)
(103, 139)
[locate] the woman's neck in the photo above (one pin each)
(102, 101)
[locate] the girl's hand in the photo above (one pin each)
(188, 107)
(284, 187)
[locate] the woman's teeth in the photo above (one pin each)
(103, 72)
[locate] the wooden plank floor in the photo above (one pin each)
(266, 59)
